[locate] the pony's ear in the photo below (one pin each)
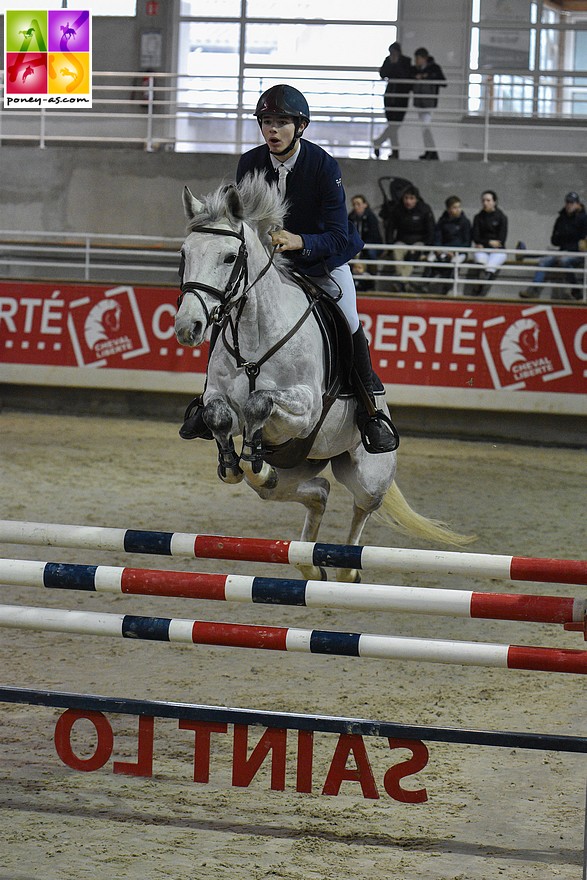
(191, 205)
(234, 202)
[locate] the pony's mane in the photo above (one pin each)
(258, 203)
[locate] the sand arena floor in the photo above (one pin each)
(490, 812)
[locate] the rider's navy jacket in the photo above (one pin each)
(317, 209)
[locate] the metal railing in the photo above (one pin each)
(422, 270)
(432, 270)
(197, 114)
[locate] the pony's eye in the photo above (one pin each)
(230, 258)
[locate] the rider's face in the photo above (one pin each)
(278, 132)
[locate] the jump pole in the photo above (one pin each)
(276, 638)
(183, 544)
(281, 591)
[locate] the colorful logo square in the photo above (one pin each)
(48, 58)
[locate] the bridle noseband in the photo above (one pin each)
(225, 297)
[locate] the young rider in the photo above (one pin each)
(318, 238)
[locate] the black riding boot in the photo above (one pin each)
(194, 427)
(378, 432)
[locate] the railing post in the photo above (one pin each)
(150, 91)
(486, 121)
(87, 259)
(455, 276)
(42, 129)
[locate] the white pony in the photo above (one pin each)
(266, 375)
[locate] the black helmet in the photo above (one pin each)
(283, 100)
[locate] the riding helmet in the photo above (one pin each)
(283, 100)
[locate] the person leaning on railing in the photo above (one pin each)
(568, 234)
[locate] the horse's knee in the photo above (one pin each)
(314, 494)
(257, 409)
(219, 417)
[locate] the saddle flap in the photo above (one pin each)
(336, 337)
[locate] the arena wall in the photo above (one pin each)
(130, 191)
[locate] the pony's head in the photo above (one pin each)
(226, 247)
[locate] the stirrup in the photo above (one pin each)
(388, 442)
(194, 427)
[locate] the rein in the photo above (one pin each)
(221, 313)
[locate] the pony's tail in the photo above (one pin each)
(396, 511)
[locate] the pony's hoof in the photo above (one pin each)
(272, 480)
(230, 475)
(348, 576)
(312, 572)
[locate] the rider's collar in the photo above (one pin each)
(289, 163)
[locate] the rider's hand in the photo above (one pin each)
(286, 241)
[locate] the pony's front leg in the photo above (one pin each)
(221, 420)
(274, 417)
(257, 410)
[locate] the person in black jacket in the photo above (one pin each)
(570, 228)
(367, 225)
(490, 229)
(411, 222)
(453, 230)
(430, 79)
(395, 67)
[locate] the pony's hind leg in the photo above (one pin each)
(367, 477)
(360, 517)
(303, 486)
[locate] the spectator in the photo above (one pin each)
(490, 228)
(411, 221)
(395, 67)
(570, 228)
(452, 231)
(430, 79)
(367, 225)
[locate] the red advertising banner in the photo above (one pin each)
(445, 344)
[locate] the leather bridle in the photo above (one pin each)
(225, 297)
